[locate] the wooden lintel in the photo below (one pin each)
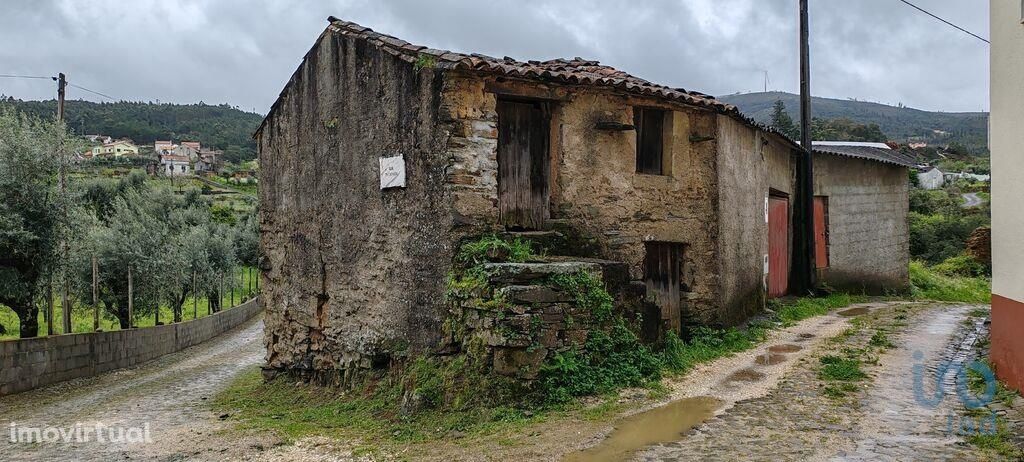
(517, 89)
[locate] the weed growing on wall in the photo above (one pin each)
(494, 249)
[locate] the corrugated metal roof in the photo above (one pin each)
(576, 71)
(864, 151)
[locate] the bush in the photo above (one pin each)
(935, 238)
(928, 284)
(962, 265)
(494, 249)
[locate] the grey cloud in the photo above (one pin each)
(242, 52)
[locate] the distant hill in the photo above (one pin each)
(898, 123)
(220, 127)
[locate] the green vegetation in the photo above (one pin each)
(222, 126)
(789, 313)
(492, 248)
(967, 129)
(432, 397)
(844, 369)
(31, 223)
(928, 284)
(836, 129)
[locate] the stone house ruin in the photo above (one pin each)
(380, 157)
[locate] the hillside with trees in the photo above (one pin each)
(902, 124)
(220, 127)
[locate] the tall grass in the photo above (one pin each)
(928, 284)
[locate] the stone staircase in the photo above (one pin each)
(528, 318)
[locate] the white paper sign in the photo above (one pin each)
(392, 172)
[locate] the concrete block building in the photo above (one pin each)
(380, 157)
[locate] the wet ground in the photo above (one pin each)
(768, 404)
(168, 395)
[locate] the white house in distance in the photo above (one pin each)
(174, 165)
(932, 178)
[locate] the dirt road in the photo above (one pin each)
(971, 200)
(167, 394)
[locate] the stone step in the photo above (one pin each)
(528, 273)
(558, 238)
(615, 274)
(534, 295)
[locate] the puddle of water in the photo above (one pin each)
(787, 348)
(664, 424)
(770, 359)
(854, 312)
(745, 375)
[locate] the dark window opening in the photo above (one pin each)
(650, 137)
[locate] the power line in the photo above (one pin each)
(11, 76)
(947, 22)
(92, 91)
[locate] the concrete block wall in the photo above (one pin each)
(869, 235)
(30, 363)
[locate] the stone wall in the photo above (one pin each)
(751, 164)
(354, 275)
(596, 190)
(30, 363)
(869, 235)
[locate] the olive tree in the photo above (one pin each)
(29, 211)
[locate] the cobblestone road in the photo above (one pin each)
(167, 394)
(881, 420)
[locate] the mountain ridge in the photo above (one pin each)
(902, 124)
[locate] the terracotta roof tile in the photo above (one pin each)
(573, 71)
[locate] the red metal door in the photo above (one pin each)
(778, 246)
(821, 232)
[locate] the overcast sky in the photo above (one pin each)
(241, 52)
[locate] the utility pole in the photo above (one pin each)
(807, 179)
(95, 295)
(65, 306)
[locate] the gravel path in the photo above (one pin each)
(166, 394)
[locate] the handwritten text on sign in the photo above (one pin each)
(392, 172)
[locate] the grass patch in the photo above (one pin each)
(708, 344)
(803, 308)
(494, 249)
(928, 284)
(881, 340)
(82, 312)
(841, 369)
(999, 442)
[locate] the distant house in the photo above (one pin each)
(208, 161)
(931, 178)
(119, 148)
(174, 165)
(163, 146)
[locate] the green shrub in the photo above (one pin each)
(962, 265)
(935, 238)
(494, 249)
(607, 362)
(588, 291)
(927, 284)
